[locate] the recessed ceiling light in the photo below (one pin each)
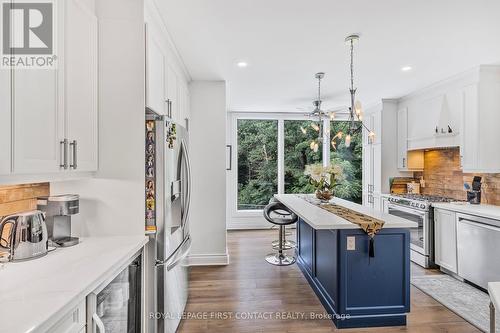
(242, 64)
(406, 68)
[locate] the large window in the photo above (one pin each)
(272, 152)
(298, 154)
(257, 162)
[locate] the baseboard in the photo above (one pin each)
(208, 259)
(254, 226)
(249, 226)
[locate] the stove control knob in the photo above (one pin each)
(422, 206)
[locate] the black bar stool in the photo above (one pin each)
(287, 244)
(278, 214)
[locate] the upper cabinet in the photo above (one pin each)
(166, 82)
(81, 111)
(481, 116)
(380, 156)
(54, 111)
(171, 90)
(407, 160)
(462, 111)
(155, 75)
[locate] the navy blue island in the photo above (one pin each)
(356, 289)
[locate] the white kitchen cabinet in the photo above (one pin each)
(81, 74)
(5, 122)
(380, 156)
(54, 111)
(407, 160)
(470, 130)
(37, 121)
(73, 321)
(445, 239)
(172, 91)
(402, 138)
(155, 75)
(183, 104)
(480, 134)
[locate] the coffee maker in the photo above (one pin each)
(58, 210)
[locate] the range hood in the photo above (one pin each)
(445, 132)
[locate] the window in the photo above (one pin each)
(351, 160)
(298, 154)
(257, 162)
(271, 152)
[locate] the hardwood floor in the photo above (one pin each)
(250, 286)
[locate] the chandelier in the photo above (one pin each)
(355, 120)
(355, 111)
(318, 125)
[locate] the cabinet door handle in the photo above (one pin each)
(74, 163)
(404, 162)
(170, 109)
(64, 154)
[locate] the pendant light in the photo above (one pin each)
(356, 124)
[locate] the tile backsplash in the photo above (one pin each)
(443, 176)
(20, 198)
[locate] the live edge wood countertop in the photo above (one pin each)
(319, 218)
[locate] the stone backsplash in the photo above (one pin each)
(443, 176)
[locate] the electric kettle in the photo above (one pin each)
(24, 236)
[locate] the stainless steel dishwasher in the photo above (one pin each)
(478, 245)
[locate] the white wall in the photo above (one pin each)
(113, 202)
(207, 136)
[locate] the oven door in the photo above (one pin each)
(420, 236)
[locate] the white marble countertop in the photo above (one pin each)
(494, 291)
(319, 218)
(35, 294)
(482, 210)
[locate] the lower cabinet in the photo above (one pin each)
(73, 321)
(445, 239)
(355, 289)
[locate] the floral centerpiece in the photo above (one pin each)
(324, 179)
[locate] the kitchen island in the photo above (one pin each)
(356, 289)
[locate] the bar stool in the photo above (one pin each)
(287, 244)
(278, 214)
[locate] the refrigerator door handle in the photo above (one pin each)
(187, 199)
(181, 254)
(100, 325)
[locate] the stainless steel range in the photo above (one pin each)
(418, 208)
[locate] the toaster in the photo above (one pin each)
(24, 236)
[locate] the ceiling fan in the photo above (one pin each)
(315, 111)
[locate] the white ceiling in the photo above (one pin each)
(286, 41)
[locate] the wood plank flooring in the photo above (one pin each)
(251, 286)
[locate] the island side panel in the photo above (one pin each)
(305, 241)
(374, 286)
(372, 291)
(327, 265)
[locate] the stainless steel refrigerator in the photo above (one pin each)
(168, 189)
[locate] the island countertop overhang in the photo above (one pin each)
(319, 218)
